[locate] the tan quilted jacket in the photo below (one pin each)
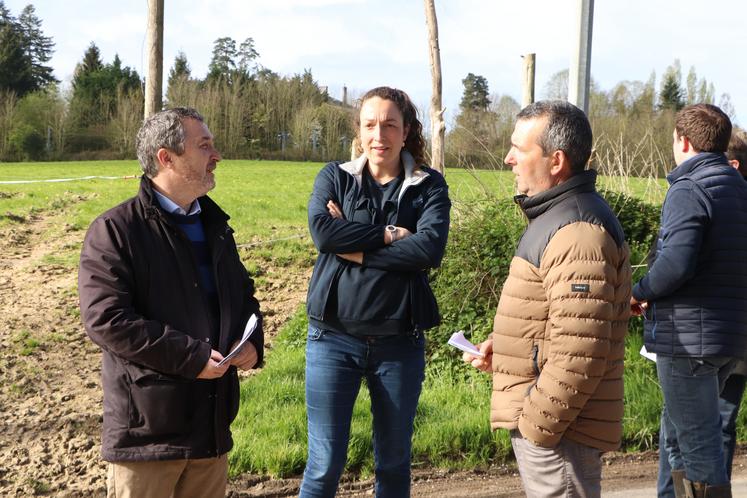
(559, 331)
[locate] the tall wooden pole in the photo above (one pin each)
(154, 81)
(438, 127)
(528, 93)
(579, 76)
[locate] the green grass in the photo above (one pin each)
(267, 201)
(451, 428)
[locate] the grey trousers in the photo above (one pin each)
(570, 470)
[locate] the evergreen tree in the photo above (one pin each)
(95, 87)
(15, 64)
(223, 62)
(476, 95)
(180, 70)
(16, 73)
(5, 17)
(671, 95)
(38, 47)
(246, 55)
(91, 61)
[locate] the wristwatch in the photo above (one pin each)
(392, 230)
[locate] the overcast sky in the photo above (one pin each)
(366, 43)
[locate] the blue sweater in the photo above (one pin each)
(697, 284)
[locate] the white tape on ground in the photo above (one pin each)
(271, 241)
(56, 180)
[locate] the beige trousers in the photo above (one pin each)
(201, 478)
(570, 470)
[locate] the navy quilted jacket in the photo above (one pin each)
(697, 284)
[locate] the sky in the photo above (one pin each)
(366, 43)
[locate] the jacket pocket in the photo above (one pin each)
(159, 404)
(535, 359)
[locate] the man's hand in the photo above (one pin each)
(486, 362)
(246, 358)
(211, 369)
(638, 308)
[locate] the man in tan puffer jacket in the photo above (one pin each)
(557, 347)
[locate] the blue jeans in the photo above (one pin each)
(729, 401)
(393, 367)
(690, 434)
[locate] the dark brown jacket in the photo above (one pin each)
(142, 303)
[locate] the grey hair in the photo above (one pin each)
(162, 130)
(567, 129)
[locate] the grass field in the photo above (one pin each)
(267, 202)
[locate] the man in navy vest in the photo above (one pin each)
(694, 298)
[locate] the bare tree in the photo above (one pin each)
(527, 96)
(8, 103)
(154, 81)
(126, 120)
(438, 126)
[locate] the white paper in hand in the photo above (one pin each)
(251, 324)
(644, 352)
(458, 340)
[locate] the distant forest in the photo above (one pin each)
(256, 113)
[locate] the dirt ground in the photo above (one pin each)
(50, 399)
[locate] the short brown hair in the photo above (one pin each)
(738, 149)
(414, 142)
(706, 126)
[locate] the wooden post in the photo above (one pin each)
(579, 75)
(438, 127)
(154, 81)
(528, 93)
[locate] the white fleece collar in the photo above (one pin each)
(413, 174)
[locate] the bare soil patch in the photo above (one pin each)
(50, 395)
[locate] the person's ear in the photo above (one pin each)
(164, 158)
(560, 166)
(685, 145)
(734, 163)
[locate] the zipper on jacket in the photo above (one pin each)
(535, 354)
(219, 247)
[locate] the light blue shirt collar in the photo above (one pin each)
(172, 207)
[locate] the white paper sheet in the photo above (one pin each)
(251, 324)
(644, 352)
(458, 340)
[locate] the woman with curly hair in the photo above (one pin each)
(379, 222)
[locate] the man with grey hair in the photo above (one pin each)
(557, 347)
(164, 294)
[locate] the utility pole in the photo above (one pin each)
(438, 127)
(154, 43)
(579, 76)
(527, 96)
